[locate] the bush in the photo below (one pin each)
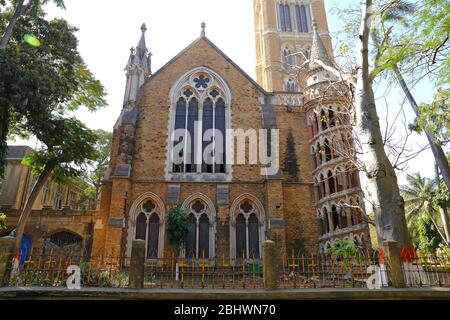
(177, 226)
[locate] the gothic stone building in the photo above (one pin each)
(234, 207)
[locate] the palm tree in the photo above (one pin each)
(418, 195)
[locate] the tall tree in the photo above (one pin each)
(38, 82)
(419, 197)
(95, 175)
(19, 9)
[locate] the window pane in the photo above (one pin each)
(304, 20)
(207, 165)
(141, 227)
(253, 236)
(299, 19)
(180, 122)
(192, 118)
(220, 156)
(203, 236)
(281, 16)
(192, 237)
(153, 237)
(287, 17)
(241, 241)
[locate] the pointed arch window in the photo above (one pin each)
(284, 14)
(248, 244)
(302, 15)
(200, 120)
(147, 228)
(199, 230)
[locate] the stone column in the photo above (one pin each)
(137, 265)
(269, 265)
(392, 256)
(6, 254)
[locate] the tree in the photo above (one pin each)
(421, 39)
(382, 183)
(2, 221)
(177, 227)
(37, 82)
(20, 8)
(95, 175)
(419, 197)
(68, 147)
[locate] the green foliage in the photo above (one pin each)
(435, 117)
(69, 147)
(2, 221)
(345, 250)
(38, 86)
(428, 240)
(177, 226)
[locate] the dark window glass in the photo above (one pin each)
(282, 18)
(253, 236)
(331, 182)
(207, 124)
(323, 118)
(303, 19)
(327, 224)
(141, 227)
(335, 218)
(241, 237)
(327, 150)
(287, 18)
(192, 118)
(220, 156)
(180, 122)
(153, 237)
(191, 240)
(332, 120)
(64, 238)
(343, 218)
(203, 231)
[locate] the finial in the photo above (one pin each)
(314, 24)
(132, 50)
(203, 33)
(143, 27)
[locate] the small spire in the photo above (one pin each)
(143, 28)
(318, 51)
(203, 33)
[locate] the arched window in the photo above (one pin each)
(343, 217)
(322, 186)
(284, 14)
(147, 228)
(339, 180)
(247, 228)
(302, 16)
(328, 155)
(331, 183)
(335, 215)
(64, 243)
(199, 229)
(331, 118)
(200, 117)
(323, 119)
(319, 153)
(326, 221)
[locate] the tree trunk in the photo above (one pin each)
(438, 152)
(4, 124)
(26, 211)
(444, 219)
(382, 185)
(12, 22)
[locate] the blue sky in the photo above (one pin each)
(108, 29)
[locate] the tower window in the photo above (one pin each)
(284, 14)
(302, 15)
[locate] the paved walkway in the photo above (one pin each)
(207, 294)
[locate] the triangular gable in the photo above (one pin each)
(209, 42)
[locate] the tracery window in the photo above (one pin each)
(284, 17)
(302, 15)
(247, 232)
(198, 239)
(147, 228)
(201, 112)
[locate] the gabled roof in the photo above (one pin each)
(210, 43)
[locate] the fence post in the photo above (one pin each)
(392, 255)
(269, 265)
(137, 264)
(7, 245)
